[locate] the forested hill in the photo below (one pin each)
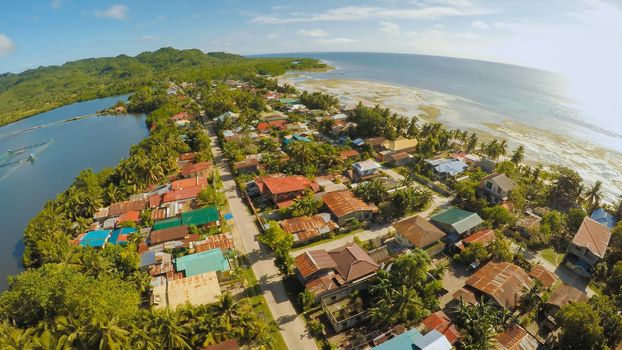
(44, 88)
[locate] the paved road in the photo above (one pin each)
(291, 325)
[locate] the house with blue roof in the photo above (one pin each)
(604, 218)
(445, 169)
(358, 142)
(296, 137)
(95, 239)
(414, 340)
(119, 236)
(199, 263)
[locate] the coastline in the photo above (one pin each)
(592, 161)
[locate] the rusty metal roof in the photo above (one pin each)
(566, 294)
(543, 275)
(440, 322)
(286, 184)
(168, 234)
(419, 231)
(221, 241)
(503, 281)
(517, 338)
(119, 208)
(342, 203)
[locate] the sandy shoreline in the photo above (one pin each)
(593, 162)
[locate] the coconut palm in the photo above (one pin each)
(171, 334)
(104, 335)
(593, 195)
(13, 338)
(518, 155)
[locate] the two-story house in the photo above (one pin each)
(587, 247)
(496, 187)
(365, 169)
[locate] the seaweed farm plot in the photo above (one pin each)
(13, 158)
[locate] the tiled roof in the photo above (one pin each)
(119, 208)
(503, 281)
(566, 294)
(353, 262)
(325, 284)
(168, 234)
(440, 322)
(190, 182)
(418, 231)
(516, 338)
(546, 277)
(593, 236)
(313, 261)
(286, 184)
(341, 203)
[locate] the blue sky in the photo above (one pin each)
(559, 35)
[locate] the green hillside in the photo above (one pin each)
(44, 88)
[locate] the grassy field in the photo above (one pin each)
(552, 256)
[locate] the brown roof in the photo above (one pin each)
(286, 184)
(466, 295)
(159, 214)
(155, 200)
(566, 294)
(313, 261)
(192, 168)
(325, 283)
(119, 208)
(501, 180)
(353, 262)
(230, 344)
(483, 237)
(440, 322)
(419, 231)
(133, 216)
(516, 338)
(253, 162)
(375, 141)
(190, 182)
(168, 234)
(188, 156)
(214, 241)
(503, 281)
(303, 223)
(546, 277)
(399, 156)
(593, 236)
(349, 153)
(342, 203)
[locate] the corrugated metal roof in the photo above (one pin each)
(546, 277)
(517, 338)
(201, 216)
(168, 234)
(503, 281)
(221, 241)
(162, 224)
(198, 263)
(341, 203)
(440, 322)
(418, 231)
(119, 208)
(286, 184)
(460, 220)
(566, 294)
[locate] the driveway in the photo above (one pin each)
(244, 232)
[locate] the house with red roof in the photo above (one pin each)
(202, 169)
(440, 322)
(284, 189)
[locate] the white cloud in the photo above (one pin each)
(337, 41)
(118, 12)
(480, 24)
(390, 29)
(6, 45)
(315, 33)
(56, 4)
(421, 11)
(149, 37)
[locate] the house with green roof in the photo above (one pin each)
(166, 223)
(199, 217)
(457, 222)
(198, 263)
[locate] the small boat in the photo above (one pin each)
(31, 157)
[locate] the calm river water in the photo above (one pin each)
(95, 143)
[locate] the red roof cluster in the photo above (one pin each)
(440, 322)
(190, 182)
(273, 124)
(186, 193)
(133, 216)
(181, 116)
(194, 168)
(286, 184)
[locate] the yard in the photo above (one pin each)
(552, 256)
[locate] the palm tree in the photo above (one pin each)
(532, 298)
(305, 205)
(104, 335)
(593, 195)
(518, 155)
(13, 338)
(407, 306)
(171, 334)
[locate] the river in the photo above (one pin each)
(96, 143)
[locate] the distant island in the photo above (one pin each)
(41, 89)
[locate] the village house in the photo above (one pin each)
(587, 247)
(445, 169)
(496, 187)
(603, 217)
(561, 296)
(345, 207)
(546, 277)
(304, 228)
(528, 224)
(376, 143)
(365, 169)
(222, 241)
(401, 144)
(399, 159)
(175, 233)
(483, 237)
(440, 322)
(247, 166)
(516, 338)
(468, 158)
(202, 169)
(417, 232)
(322, 271)
(230, 115)
(349, 154)
(280, 124)
(457, 223)
(282, 190)
(502, 282)
(487, 165)
(414, 340)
